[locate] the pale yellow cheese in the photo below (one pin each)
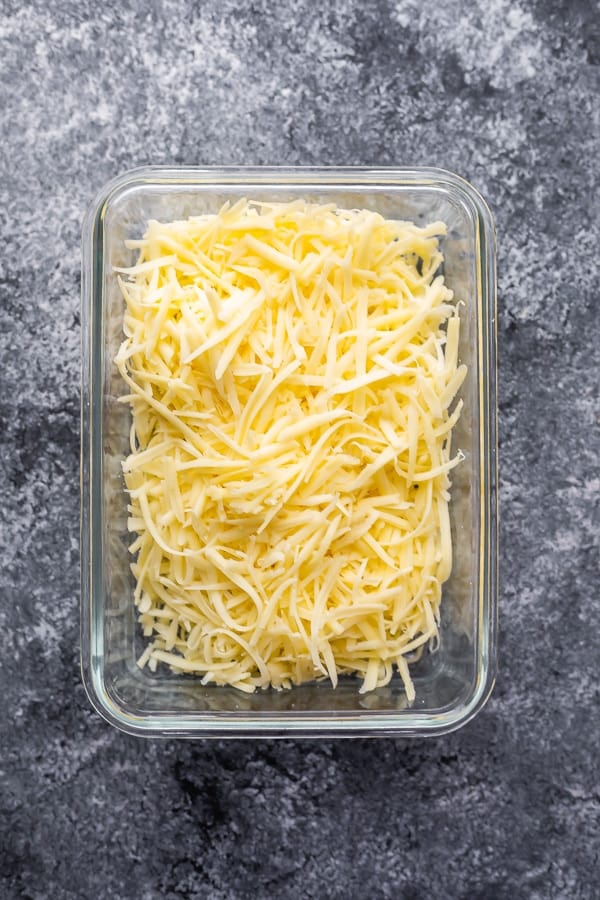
(290, 370)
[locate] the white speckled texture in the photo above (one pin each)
(503, 93)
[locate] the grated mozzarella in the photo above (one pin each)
(290, 368)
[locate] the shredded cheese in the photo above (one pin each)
(290, 368)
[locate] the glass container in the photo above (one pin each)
(451, 682)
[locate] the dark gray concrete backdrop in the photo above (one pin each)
(504, 93)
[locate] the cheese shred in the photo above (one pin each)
(291, 370)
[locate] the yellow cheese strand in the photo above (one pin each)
(291, 369)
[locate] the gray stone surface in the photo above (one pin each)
(505, 93)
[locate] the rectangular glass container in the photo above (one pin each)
(453, 682)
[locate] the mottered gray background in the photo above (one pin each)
(507, 95)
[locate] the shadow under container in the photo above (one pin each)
(452, 683)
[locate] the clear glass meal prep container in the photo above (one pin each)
(452, 683)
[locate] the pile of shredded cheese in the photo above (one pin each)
(290, 368)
